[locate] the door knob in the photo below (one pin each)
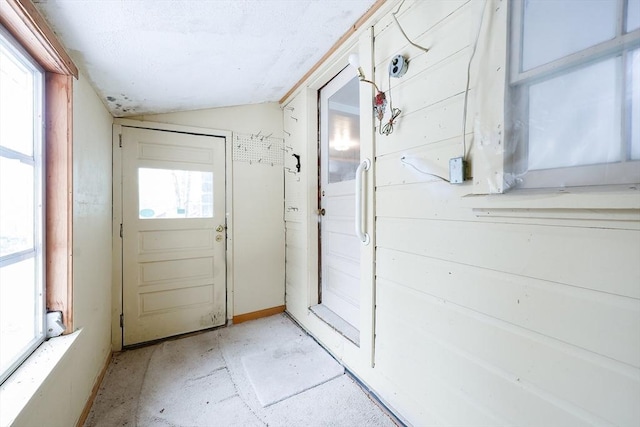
(220, 228)
(321, 211)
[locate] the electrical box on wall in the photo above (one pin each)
(398, 66)
(457, 168)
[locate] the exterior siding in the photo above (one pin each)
(521, 308)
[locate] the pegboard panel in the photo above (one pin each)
(257, 149)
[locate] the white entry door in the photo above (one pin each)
(173, 233)
(340, 157)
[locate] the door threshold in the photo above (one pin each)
(340, 325)
(173, 337)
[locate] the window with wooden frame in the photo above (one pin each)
(22, 314)
(574, 87)
(42, 153)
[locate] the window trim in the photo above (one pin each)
(626, 171)
(23, 21)
(59, 195)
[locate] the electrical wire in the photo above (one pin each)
(387, 129)
(466, 91)
(402, 160)
(362, 79)
(393, 14)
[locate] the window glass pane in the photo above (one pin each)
(16, 206)
(344, 132)
(16, 104)
(165, 193)
(633, 15)
(574, 119)
(20, 305)
(633, 90)
(556, 28)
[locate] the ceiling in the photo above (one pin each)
(156, 56)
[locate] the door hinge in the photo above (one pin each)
(121, 232)
(120, 140)
(121, 320)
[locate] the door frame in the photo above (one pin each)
(346, 350)
(116, 256)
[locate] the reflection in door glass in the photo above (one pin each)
(344, 132)
(165, 193)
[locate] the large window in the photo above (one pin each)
(575, 92)
(21, 205)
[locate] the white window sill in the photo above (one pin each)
(23, 384)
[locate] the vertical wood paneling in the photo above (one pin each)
(296, 205)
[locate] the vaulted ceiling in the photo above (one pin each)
(155, 56)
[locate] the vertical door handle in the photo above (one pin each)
(364, 237)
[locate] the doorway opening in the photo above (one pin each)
(173, 233)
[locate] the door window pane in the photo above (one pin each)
(166, 193)
(344, 132)
(575, 118)
(556, 28)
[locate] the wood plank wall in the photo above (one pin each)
(521, 308)
(300, 122)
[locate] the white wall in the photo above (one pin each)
(258, 192)
(522, 308)
(61, 399)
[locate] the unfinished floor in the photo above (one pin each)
(266, 372)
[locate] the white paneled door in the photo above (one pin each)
(340, 157)
(173, 233)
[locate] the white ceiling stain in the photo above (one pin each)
(157, 56)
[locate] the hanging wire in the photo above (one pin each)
(393, 14)
(466, 91)
(387, 129)
(403, 161)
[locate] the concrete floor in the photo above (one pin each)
(217, 378)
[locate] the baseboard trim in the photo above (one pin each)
(258, 314)
(94, 392)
